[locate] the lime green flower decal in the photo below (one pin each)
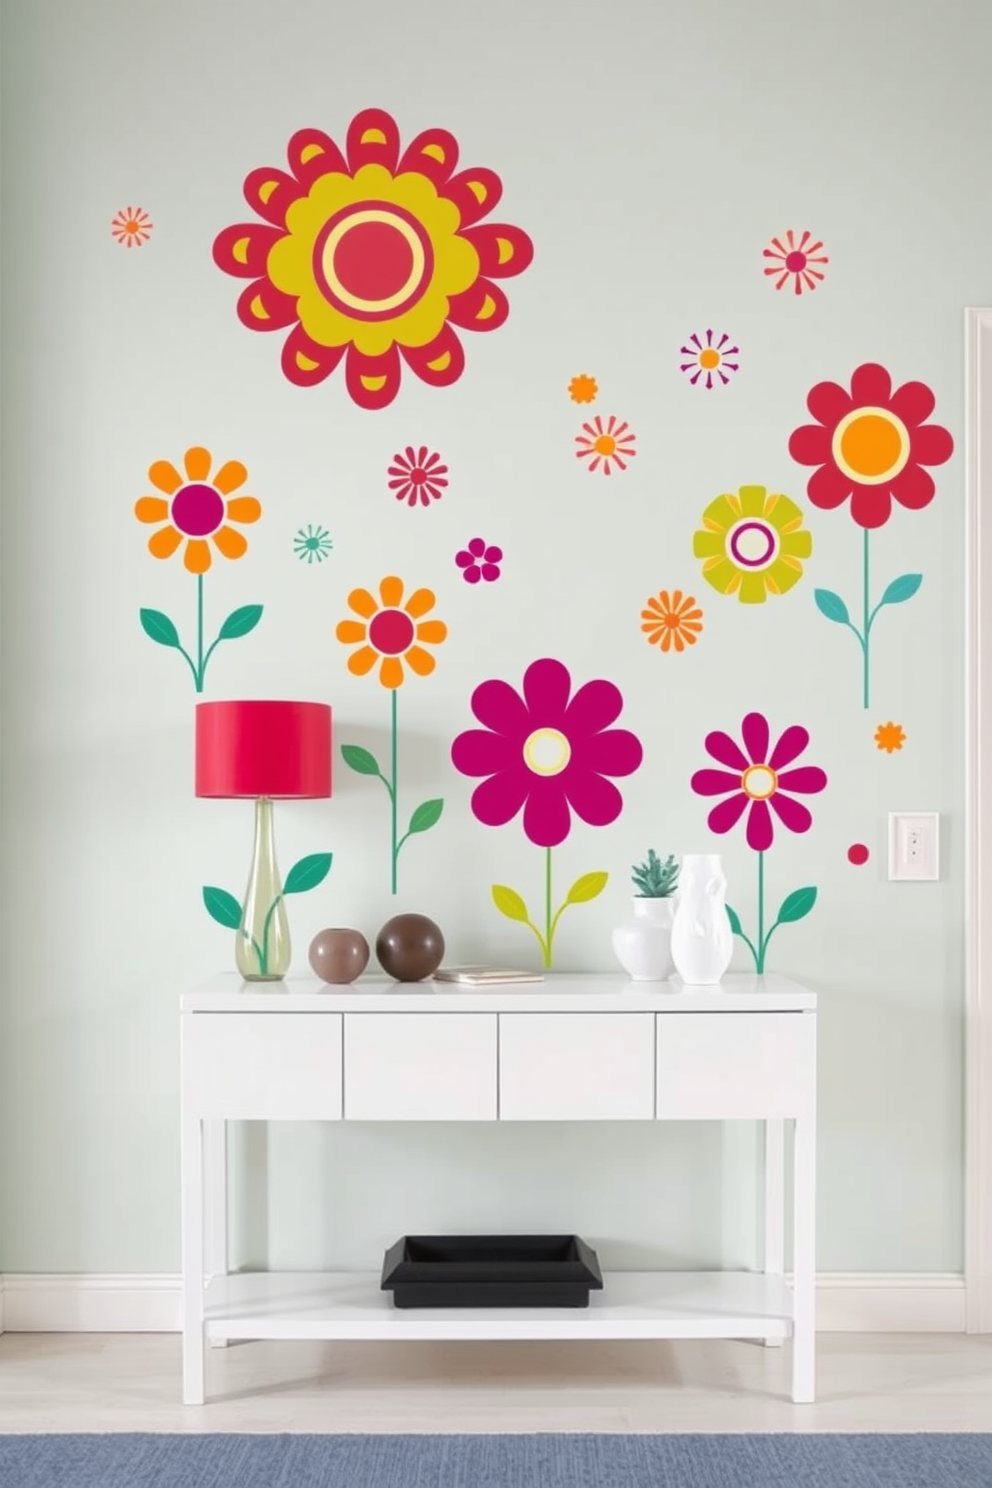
(751, 544)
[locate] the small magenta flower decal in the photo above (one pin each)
(418, 475)
(547, 755)
(752, 780)
(703, 360)
(480, 560)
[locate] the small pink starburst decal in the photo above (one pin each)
(703, 359)
(602, 445)
(131, 227)
(418, 475)
(796, 260)
(480, 560)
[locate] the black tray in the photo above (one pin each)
(491, 1271)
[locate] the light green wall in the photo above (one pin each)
(651, 149)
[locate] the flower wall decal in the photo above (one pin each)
(705, 359)
(312, 544)
(583, 389)
(131, 227)
(418, 475)
(373, 255)
(752, 780)
(672, 621)
(389, 634)
(546, 754)
(792, 260)
(601, 446)
(890, 737)
(198, 510)
(751, 544)
(480, 560)
(870, 444)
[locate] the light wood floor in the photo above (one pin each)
(131, 1382)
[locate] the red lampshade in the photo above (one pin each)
(254, 748)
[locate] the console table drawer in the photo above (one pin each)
(279, 1066)
(420, 1066)
(576, 1066)
(727, 1066)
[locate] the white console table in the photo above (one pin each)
(572, 1048)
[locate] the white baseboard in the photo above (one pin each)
(846, 1302)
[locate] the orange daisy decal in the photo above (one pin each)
(671, 620)
(131, 227)
(197, 508)
(583, 389)
(605, 446)
(890, 736)
(390, 632)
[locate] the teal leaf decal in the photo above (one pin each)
(427, 815)
(830, 604)
(735, 921)
(240, 622)
(901, 589)
(159, 627)
(362, 761)
(796, 906)
(222, 907)
(308, 873)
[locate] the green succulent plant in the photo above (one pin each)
(655, 879)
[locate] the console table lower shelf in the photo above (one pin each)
(632, 1304)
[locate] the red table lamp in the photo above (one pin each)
(267, 751)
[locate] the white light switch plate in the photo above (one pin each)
(914, 845)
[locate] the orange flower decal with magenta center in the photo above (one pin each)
(196, 509)
(391, 633)
(672, 620)
(372, 255)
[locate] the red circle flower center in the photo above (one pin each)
(795, 262)
(197, 509)
(373, 260)
(391, 632)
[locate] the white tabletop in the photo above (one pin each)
(589, 992)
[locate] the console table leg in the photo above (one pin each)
(804, 1261)
(215, 1204)
(192, 1260)
(774, 1205)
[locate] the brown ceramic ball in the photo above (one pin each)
(410, 947)
(339, 956)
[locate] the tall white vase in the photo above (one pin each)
(643, 944)
(702, 940)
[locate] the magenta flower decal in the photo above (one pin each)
(761, 780)
(480, 560)
(418, 475)
(547, 755)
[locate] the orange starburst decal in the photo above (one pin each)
(605, 446)
(131, 227)
(890, 736)
(583, 389)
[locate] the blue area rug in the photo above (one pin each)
(544, 1460)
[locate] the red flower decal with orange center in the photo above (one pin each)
(373, 256)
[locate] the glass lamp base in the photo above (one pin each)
(263, 950)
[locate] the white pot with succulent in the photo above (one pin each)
(643, 945)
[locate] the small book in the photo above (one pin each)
(483, 976)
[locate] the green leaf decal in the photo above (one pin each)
(589, 886)
(830, 604)
(509, 903)
(308, 873)
(222, 907)
(240, 622)
(427, 815)
(735, 921)
(796, 906)
(159, 627)
(362, 761)
(901, 589)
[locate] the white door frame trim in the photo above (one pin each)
(978, 823)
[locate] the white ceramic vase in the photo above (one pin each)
(702, 940)
(643, 945)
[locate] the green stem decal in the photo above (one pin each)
(833, 608)
(761, 913)
(199, 633)
(513, 906)
(795, 906)
(160, 629)
(427, 814)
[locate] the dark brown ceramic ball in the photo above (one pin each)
(339, 956)
(410, 947)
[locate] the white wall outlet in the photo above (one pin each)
(914, 845)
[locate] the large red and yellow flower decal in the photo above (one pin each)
(871, 444)
(372, 255)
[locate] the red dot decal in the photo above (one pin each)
(857, 854)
